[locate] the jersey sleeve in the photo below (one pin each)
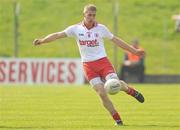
(70, 31)
(106, 33)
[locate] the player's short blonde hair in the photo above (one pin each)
(89, 7)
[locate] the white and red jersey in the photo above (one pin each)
(90, 41)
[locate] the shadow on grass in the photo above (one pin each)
(99, 126)
(133, 125)
(23, 127)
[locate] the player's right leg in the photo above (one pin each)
(94, 78)
(98, 86)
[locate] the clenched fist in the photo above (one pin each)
(140, 52)
(37, 41)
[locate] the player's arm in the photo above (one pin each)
(50, 38)
(119, 42)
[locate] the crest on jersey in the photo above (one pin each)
(96, 35)
(89, 34)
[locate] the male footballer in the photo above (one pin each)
(89, 36)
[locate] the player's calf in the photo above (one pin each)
(135, 94)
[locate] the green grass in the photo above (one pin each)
(78, 108)
(140, 19)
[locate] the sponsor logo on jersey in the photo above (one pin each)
(89, 43)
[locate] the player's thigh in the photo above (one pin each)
(108, 70)
(89, 72)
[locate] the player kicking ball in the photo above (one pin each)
(89, 36)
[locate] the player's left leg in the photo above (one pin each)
(131, 91)
(126, 88)
(108, 72)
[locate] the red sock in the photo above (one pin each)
(116, 117)
(131, 91)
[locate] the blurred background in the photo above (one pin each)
(148, 21)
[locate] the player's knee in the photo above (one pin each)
(112, 76)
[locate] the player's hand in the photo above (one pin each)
(140, 52)
(37, 42)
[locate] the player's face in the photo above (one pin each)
(90, 16)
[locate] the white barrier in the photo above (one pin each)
(40, 71)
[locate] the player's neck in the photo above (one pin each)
(88, 25)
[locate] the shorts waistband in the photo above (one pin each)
(96, 60)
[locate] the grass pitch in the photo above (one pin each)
(79, 108)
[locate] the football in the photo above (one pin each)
(112, 86)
